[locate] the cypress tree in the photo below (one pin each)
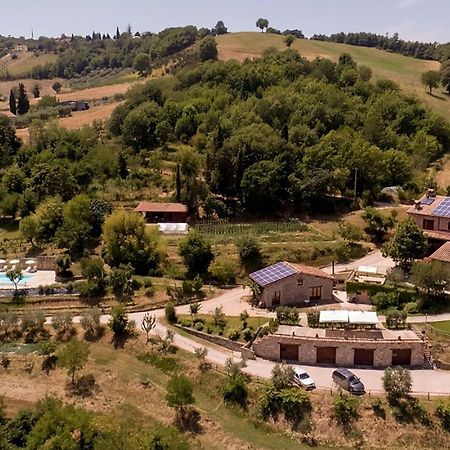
(285, 133)
(117, 36)
(12, 102)
(218, 138)
(23, 104)
(123, 166)
(178, 184)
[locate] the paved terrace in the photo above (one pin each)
(327, 333)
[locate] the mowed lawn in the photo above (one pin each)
(404, 70)
(442, 326)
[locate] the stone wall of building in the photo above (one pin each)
(268, 347)
(294, 295)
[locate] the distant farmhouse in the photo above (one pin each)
(292, 284)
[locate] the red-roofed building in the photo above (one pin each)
(163, 212)
(442, 254)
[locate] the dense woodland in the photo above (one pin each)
(283, 131)
(279, 132)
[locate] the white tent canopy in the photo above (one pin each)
(368, 269)
(352, 317)
(173, 228)
(334, 316)
(362, 317)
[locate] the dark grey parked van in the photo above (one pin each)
(349, 381)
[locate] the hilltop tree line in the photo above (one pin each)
(79, 56)
(421, 50)
(283, 131)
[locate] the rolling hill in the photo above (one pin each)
(404, 70)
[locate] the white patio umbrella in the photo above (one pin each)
(30, 261)
(2, 261)
(15, 261)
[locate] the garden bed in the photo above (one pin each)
(232, 325)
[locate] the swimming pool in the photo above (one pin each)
(5, 280)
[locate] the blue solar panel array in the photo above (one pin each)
(443, 209)
(427, 201)
(273, 273)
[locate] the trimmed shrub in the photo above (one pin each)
(186, 323)
(247, 334)
(443, 413)
(313, 319)
(235, 391)
(170, 313)
(345, 410)
(234, 334)
(199, 326)
(397, 382)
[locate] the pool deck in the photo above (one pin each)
(33, 280)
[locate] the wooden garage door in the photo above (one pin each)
(401, 357)
(288, 352)
(363, 357)
(326, 355)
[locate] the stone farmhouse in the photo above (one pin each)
(290, 284)
(432, 215)
(377, 348)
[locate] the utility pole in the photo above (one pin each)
(356, 181)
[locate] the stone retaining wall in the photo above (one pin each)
(443, 365)
(46, 262)
(219, 340)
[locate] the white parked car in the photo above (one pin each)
(303, 379)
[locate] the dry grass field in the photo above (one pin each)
(401, 69)
(78, 119)
(130, 389)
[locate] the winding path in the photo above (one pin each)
(433, 382)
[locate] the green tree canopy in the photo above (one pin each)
(408, 244)
(262, 23)
(141, 64)
(207, 49)
(431, 79)
(127, 240)
(196, 253)
(73, 357)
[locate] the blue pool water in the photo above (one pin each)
(5, 280)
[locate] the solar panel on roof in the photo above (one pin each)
(443, 209)
(427, 201)
(273, 273)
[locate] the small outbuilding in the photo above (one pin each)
(163, 212)
(291, 284)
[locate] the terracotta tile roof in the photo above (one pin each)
(309, 270)
(442, 253)
(437, 235)
(161, 207)
(427, 210)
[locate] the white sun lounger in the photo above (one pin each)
(28, 269)
(4, 268)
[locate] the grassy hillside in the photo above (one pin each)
(25, 62)
(402, 69)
